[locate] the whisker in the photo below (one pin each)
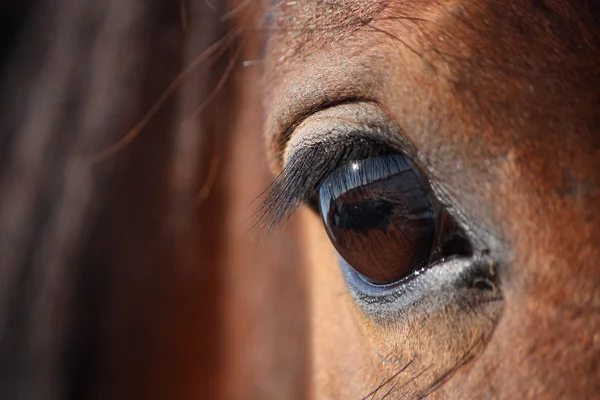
(387, 381)
(379, 386)
(389, 392)
(439, 382)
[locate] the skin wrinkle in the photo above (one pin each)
(499, 100)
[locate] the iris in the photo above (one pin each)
(378, 214)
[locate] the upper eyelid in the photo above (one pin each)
(346, 121)
(284, 136)
(304, 98)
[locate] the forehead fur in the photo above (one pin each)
(533, 47)
(300, 27)
(298, 23)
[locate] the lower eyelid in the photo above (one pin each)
(435, 289)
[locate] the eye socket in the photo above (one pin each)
(383, 220)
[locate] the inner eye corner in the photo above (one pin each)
(452, 241)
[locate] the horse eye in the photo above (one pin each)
(379, 216)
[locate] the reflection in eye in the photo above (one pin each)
(377, 208)
(379, 216)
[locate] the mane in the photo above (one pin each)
(109, 241)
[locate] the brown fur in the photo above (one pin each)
(126, 271)
(500, 101)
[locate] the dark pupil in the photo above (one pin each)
(379, 217)
(361, 216)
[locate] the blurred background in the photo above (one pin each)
(131, 159)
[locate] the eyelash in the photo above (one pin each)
(305, 171)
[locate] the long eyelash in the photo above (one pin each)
(304, 173)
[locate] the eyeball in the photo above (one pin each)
(378, 214)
